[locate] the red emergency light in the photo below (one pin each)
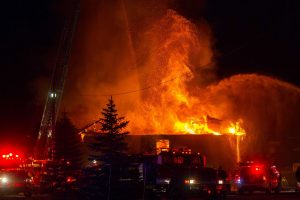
(257, 169)
(10, 160)
(11, 156)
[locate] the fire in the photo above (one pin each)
(169, 62)
(201, 126)
(170, 71)
(236, 129)
(179, 49)
(195, 126)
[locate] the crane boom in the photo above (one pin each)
(45, 145)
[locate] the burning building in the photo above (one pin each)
(160, 69)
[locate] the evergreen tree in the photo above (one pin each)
(68, 142)
(109, 146)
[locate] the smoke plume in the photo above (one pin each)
(159, 68)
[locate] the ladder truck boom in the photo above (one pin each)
(45, 145)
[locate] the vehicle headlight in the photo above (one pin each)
(220, 182)
(4, 180)
(190, 181)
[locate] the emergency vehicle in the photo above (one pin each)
(14, 179)
(52, 176)
(179, 173)
(256, 176)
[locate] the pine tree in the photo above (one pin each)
(109, 146)
(68, 144)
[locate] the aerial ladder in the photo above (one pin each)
(45, 144)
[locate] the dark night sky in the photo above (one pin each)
(250, 37)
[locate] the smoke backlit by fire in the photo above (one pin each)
(160, 72)
(176, 50)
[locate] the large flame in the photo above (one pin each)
(167, 62)
(177, 50)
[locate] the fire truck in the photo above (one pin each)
(257, 176)
(14, 177)
(179, 173)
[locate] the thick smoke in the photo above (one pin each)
(102, 63)
(126, 46)
(269, 108)
(114, 52)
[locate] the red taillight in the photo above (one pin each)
(70, 179)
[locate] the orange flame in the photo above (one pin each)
(199, 126)
(175, 56)
(177, 51)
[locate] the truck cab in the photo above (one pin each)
(179, 173)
